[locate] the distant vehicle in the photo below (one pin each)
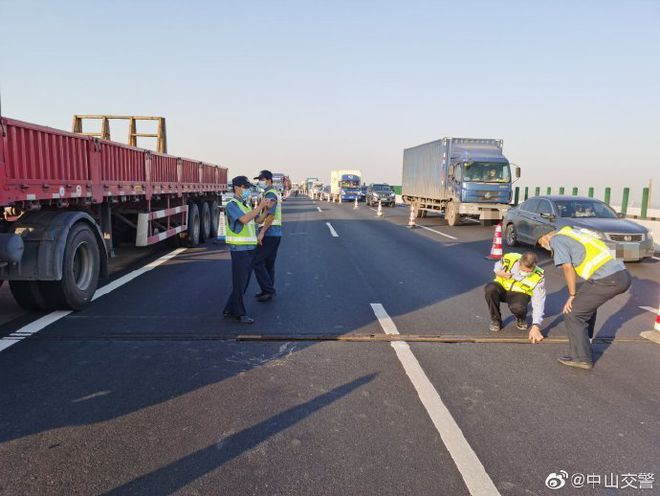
(461, 177)
(363, 192)
(536, 216)
(315, 192)
(307, 185)
(345, 184)
(382, 192)
(325, 193)
(278, 181)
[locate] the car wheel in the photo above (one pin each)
(511, 235)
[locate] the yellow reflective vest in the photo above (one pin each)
(278, 207)
(596, 253)
(247, 235)
(525, 286)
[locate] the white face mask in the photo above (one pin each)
(262, 184)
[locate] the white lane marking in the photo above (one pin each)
(46, 320)
(649, 309)
(371, 208)
(136, 273)
(473, 472)
(437, 232)
(332, 230)
(319, 209)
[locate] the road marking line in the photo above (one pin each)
(46, 320)
(473, 472)
(371, 208)
(437, 232)
(332, 230)
(649, 309)
(319, 209)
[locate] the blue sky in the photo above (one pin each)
(304, 87)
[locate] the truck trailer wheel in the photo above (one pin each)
(204, 221)
(452, 215)
(80, 271)
(193, 226)
(28, 295)
(215, 219)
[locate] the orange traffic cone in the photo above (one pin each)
(496, 249)
(653, 335)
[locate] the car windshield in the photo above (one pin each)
(584, 208)
(381, 188)
(486, 172)
(350, 184)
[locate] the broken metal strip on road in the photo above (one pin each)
(355, 338)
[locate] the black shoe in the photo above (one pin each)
(579, 364)
(265, 297)
(495, 326)
(244, 319)
(227, 315)
(521, 324)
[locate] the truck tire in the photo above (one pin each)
(192, 239)
(204, 221)
(215, 219)
(28, 295)
(80, 271)
(451, 214)
(511, 235)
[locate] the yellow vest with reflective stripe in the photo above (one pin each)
(596, 253)
(248, 233)
(525, 286)
(278, 207)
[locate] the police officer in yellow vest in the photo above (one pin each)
(268, 239)
(241, 236)
(517, 281)
(579, 252)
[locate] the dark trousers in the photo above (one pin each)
(264, 263)
(582, 319)
(496, 294)
(241, 269)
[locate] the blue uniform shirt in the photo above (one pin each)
(273, 230)
(234, 213)
(567, 250)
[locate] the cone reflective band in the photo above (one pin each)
(653, 335)
(496, 249)
(380, 209)
(356, 205)
(411, 219)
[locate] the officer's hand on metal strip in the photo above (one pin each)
(260, 238)
(535, 335)
(568, 306)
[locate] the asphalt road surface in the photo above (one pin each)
(371, 373)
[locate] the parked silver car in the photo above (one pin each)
(540, 214)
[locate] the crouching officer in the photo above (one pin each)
(579, 252)
(241, 236)
(518, 280)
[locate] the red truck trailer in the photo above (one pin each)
(68, 198)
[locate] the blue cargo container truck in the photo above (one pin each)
(461, 177)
